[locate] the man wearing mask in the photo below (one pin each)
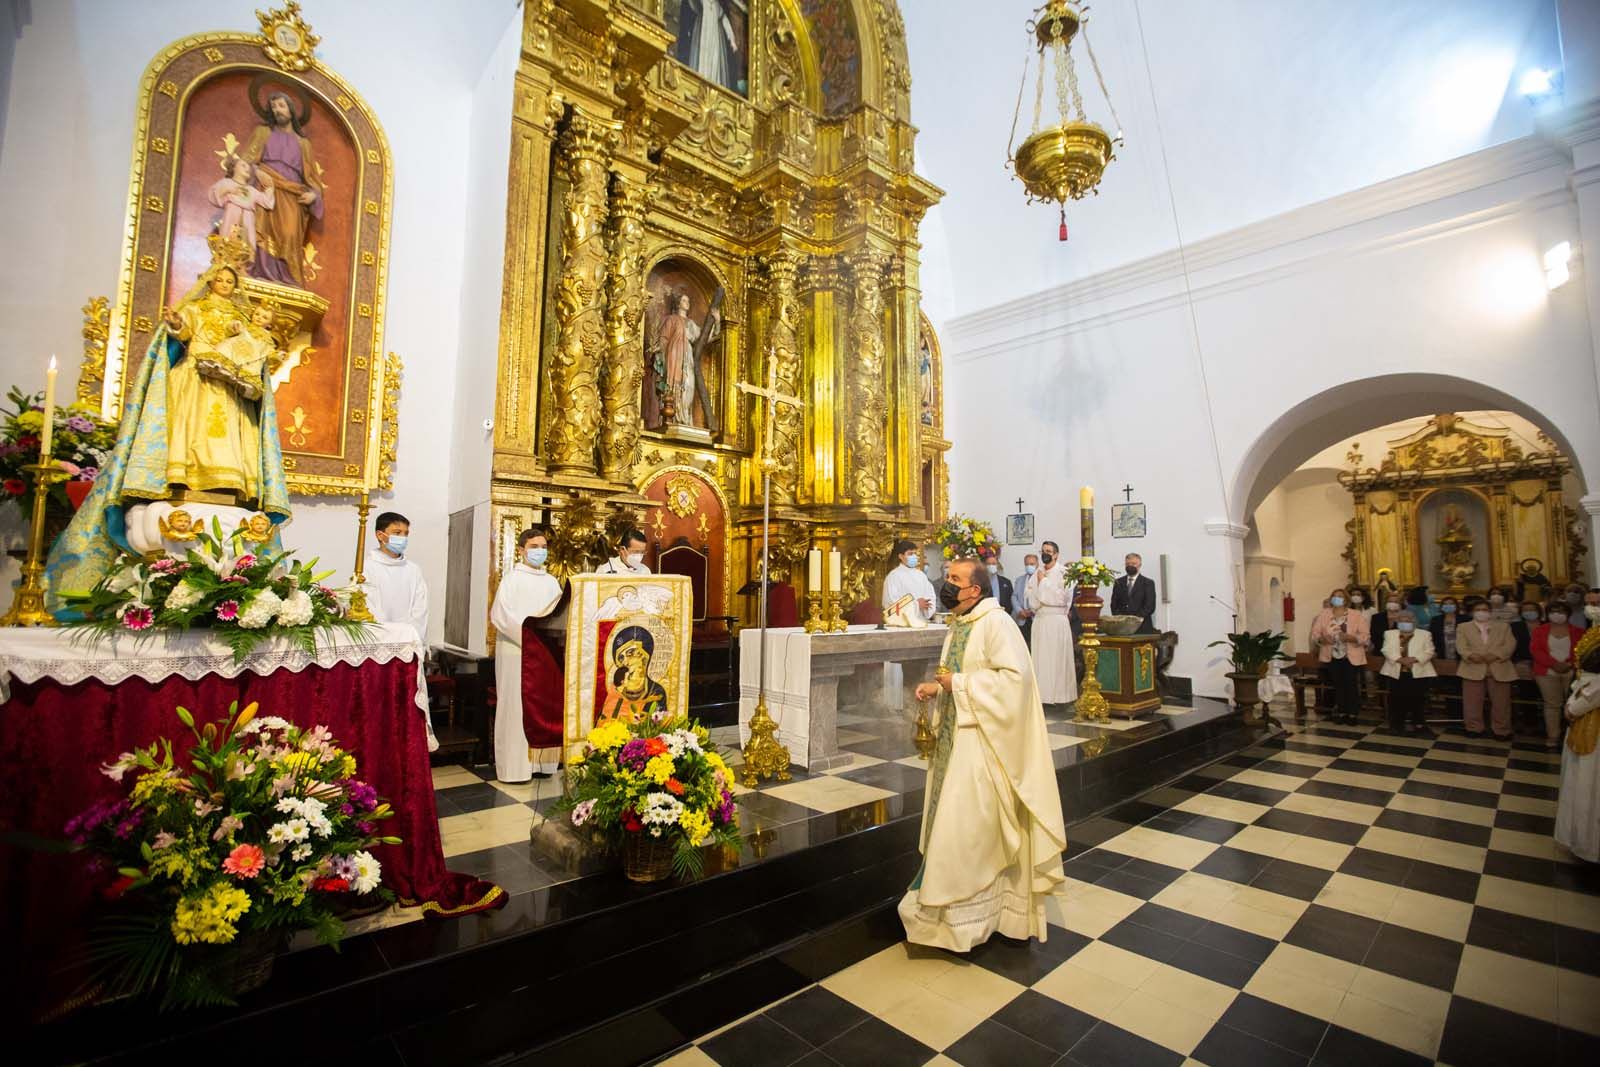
(1591, 608)
(1019, 597)
(992, 827)
(1135, 594)
(1050, 600)
(999, 585)
(402, 594)
(908, 580)
(528, 690)
(630, 556)
(1485, 647)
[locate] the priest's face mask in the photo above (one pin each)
(960, 591)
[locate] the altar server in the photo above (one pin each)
(908, 580)
(992, 828)
(401, 592)
(1578, 810)
(1050, 600)
(528, 694)
(630, 556)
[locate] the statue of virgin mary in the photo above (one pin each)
(198, 429)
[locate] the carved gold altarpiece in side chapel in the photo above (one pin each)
(1507, 501)
(781, 180)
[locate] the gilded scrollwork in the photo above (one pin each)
(783, 347)
(624, 369)
(868, 402)
(574, 366)
(96, 331)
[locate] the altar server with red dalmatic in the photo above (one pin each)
(992, 829)
(528, 681)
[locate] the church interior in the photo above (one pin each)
(515, 497)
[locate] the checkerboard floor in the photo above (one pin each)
(484, 824)
(1340, 895)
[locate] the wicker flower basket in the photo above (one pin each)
(646, 858)
(251, 964)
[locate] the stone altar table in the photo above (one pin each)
(803, 675)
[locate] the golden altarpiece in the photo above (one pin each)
(694, 191)
(1459, 507)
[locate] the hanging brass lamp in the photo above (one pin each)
(1066, 160)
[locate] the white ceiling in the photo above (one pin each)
(1254, 107)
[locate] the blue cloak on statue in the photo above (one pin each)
(137, 473)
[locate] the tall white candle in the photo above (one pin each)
(814, 570)
(833, 570)
(49, 412)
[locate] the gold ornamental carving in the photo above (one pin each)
(784, 349)
(868, 403)
(683, 495)
(580, 301)
(624, 369)
(290, 42)
(92, 372)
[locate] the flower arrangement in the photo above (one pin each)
(960, 536)
(659, 780)
(245, 598)
(83, 442)
(1088, 572)
(266, 833)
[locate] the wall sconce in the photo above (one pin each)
(1556, 272)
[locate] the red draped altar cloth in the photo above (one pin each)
(543, 689)
(55, 736)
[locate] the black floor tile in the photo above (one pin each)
(1334, 933)
(875, 1043)
(1152, 944)
(771, 810)
(1483, 798)
(991, 1044)
(1107, 1044)
(1521, 868)
(1025, 962)
(1172, 821)
(1474, 770)
(1046, 1021)
(1236, 865)
(470, 798)
(1297, 770)
(1414, 955)
(1436, 878)
(1284, 1027)
(1250, 794)
(1580, 950)
(1376, 866)
(1219, 966)
(1318, 826)
(1372, 743)
(1167, 920)
(1354, 794)
(1131, 884)
(1543, 825)
(1208, 828)
(1155, 872)
(755, 1043)
(1524, 789)
(816, 1015)
(1345, 1047)
(1515, 935)
(1311, 749)
(1235, 942)
(1361, 766)
(1460, 833)
(1225, 1045)
(1297, 880)
(895, 777)
(1088, 866)
(1480, 1035)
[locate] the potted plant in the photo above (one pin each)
(1251, 655)
(656, 789)
(211, 862)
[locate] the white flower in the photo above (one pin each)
(298, 829)
(289, 805)
(288, 833)
(368, 873)
(184, 595)
(262, 609)
(115, 771)
(278, 833)
(680, 741)
(321, 826)
(127, 578)
(301, 852)
(296, 609)
(661, 808)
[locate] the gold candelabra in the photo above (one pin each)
(832, 620)
(815, 622)
(359, 611)
(1092, 703)
(27, 608)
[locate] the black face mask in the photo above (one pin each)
(949, 595)
(1133, 572)
(1048, 559)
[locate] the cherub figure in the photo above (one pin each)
(238, 196)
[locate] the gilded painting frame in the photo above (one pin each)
(600, 608)
(368, 410)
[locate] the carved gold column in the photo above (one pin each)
(624, 367)
(865, 385)
(783, 266)
(574, 367)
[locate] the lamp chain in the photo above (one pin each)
(1071, 84)
(1038, 96)
(1095, 63)
(1017, 114)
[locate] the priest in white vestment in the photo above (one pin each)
(527, 591)
(992, 828)
(630, 556)
(906, 580)
(1050, 600)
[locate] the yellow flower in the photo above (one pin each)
(696, 824)
(347, 766)
(296, 762)
(659, 769)
(246, 715)
(717, 765)
(31, 420)
(208, 917)
(609, 735)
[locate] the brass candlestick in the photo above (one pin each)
(27, 608)
(1092, 704)
(359, 612)
(815, 623)
(832, 621)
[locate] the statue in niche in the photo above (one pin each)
(283, 161)
(681, 346)
(925, 378)
(1455, 549)
(246, 189)
(713, 39)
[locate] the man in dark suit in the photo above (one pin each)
(999, 584)
(1134, 594)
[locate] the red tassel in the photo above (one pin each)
(1063, 224)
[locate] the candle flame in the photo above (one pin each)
(52, 362)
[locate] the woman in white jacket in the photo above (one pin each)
(1408, 664)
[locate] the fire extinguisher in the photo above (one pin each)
(1288, 607)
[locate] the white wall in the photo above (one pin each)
(1413, 296)
(64, 183)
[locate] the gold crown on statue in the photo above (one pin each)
(228, 252)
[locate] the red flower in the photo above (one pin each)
(28, 442)
(675, 787)
(630, 822)
(117, 888)
(245, 861)
(16, 486)
(655, 746)
(331, 885)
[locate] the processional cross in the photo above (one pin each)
(763, 755)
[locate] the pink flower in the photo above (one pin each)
(244, 562)
(230, 824)
(238, 578)
(163, 840)
(245, 861)
(202, 808)
(164, 564)
(228, 610)
(137, 618)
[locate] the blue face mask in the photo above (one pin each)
(397, 543)
(1336, 601)
(912, 561)
(1406, 627)
(1032, 568)
(536, 556)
